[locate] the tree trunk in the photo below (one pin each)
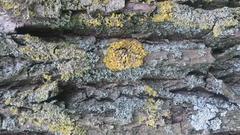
(124, 67)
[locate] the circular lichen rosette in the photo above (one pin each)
(124, 54)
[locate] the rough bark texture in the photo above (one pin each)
(117, 67)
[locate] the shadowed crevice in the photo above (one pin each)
(203, 4)
(39, 31)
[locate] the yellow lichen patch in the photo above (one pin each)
(34, 49)
(152, 115)
(149, 90)
(29, 38)
(47, 77)
(71, 60)
(10, 5)
(124, 54)
(151, 107)
(79, 131)
(189, 24)
(49, 117)
(7, 101)
(33, 54)
(7, 4)
(39, 50)
(65, 76)
(65, 127)
(105, 2)
(45, 116)
(149, 1)
(94, 22)
(115, 20)
(220, 26)
(14, 110)
(90, 21)
(72, 69)
(165, 13)
(152, 112)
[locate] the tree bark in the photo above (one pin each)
(106, 67)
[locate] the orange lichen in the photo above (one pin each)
(124, 54)
(165, 13)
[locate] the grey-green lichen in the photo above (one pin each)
(153, 114)
(52, 8)
(34, 95)
(170, 17)
(165, 13)
(71, 61)
(48, 117)
(40, 51)
(40, 114)
(11, 5)
(33, 8)
(46, 91)
(151, 107)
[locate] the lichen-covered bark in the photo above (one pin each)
(106, 67)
